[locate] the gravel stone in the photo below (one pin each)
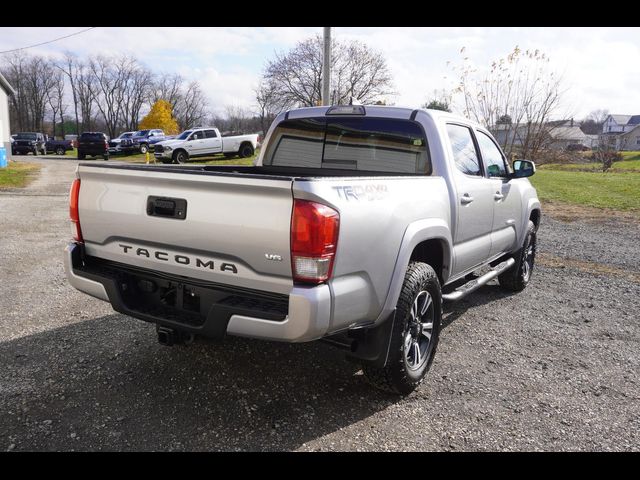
(553, 368)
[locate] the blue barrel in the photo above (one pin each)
(3, 157)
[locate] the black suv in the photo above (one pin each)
(26, 142)
(93, 144)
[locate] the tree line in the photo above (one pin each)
(109, 93)
(516, 96)
(106, 93)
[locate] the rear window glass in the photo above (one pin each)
(92, 136)
(26, 136)
(350, 143)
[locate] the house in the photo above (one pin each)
(5, 139)
(558, 135)
(620, 123)
(630, 140)
(621, 132)
(565, 133)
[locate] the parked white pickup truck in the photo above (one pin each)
(204, 141)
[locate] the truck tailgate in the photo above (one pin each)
(235, 230)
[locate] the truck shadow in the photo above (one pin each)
(106, 384)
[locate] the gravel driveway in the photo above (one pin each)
(552, 368)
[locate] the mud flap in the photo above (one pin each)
(372, 344)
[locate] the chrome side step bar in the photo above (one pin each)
(474, 284)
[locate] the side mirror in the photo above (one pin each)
(523, 168)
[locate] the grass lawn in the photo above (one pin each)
(17, 175)
(619, 191)
(631, 163)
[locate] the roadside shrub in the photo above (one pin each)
(558, 156)
(606, 158)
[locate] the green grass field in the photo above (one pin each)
(17, 175)
(619, 191)
(631, 163)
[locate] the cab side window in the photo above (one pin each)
(465, 155)
(491, 156)
(210, 133)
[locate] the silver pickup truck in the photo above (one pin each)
(353, 226)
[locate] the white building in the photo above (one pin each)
(5, 130)
(621, 132)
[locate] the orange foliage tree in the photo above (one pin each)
(160, 116)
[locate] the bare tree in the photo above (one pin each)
(598, 116)
(15, 70)
(32, 78)
(268, 104)
(106, 92)
(55, 97)
(358, 72)
(121, 88)
(136, 83)
(87, 91)
(191, 108)
(238, 118)
(166, 87)
(593, 123)
(520, 85)
(69, 67)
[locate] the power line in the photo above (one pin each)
(50, 41)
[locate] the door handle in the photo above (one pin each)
(466, 198)
(498, 196)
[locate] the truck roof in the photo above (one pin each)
(380, 111)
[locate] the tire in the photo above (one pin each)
(144, 148)
(180, 156)
(60, 151)
(517, 277)
(246, 150)
(81, 156)
(405, 370)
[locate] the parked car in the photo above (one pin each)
(28, 142)
(93, 144)
(142, 141)
(204, 141)
(59, 147)
(353, 226)
(114, 143)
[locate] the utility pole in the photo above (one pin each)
(326, 66)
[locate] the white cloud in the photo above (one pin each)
(600, 65)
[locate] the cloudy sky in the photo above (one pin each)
(600, 66)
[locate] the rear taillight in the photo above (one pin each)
(74, 196)
(314, 239)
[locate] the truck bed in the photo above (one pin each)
(288, 173)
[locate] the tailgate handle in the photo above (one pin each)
(167, 207)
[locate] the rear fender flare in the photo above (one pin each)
(416, 233)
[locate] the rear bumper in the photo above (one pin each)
(301, 316)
